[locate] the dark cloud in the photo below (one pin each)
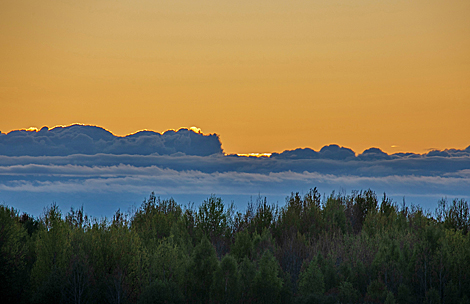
(406, 155)
(89, 140)
(76, 163)
(300, 153)
(373, 154)
(327, 152)
(449, 153)
(361, 165)
(337, 152)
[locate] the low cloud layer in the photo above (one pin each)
(421, 166)
(62, 166)
(103, 187)
(126, 178)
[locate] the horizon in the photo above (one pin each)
(196, 129)
(89, 165)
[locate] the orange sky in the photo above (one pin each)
(266, 75)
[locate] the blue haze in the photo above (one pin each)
(87, 165)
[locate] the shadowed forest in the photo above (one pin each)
(341, 248)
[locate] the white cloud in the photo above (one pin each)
(127, 178)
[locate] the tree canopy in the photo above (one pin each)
(355, 248)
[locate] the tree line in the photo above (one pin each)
(340, 248)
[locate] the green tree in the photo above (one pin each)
(161, 292)
(243, 246)
(78, 272)
(311, 279)
(168, 263)
(390, 299)
(247, 272)
(201, 269)
(181, 237)
(432, 297)
(455, 215)
(212, 221)
(226, 284)
(328, 269)
(404, 294)
(263, 242)
(376, 292)
(13, 238)
(119, 260)
(334, 213)
(52, 249)
(262, 216)
(154, 219)
(364, 203)
(267, 284)
(301, 214)
(347, 293)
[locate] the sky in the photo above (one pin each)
(266, 76)
(315, 83)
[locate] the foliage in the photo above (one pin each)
(347, 293)
(333, 249)
(243, 246)
(247, 272)
(226, 284)
(311, 280)
(154, 219)
(267, 284)
(13, 243)
(201, 269)
(160, 292)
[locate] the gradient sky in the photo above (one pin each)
(266, 75)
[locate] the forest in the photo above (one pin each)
(336, 248)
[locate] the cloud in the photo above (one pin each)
(368, 164)
(81, 163)
(72, 180)
(301, 153)
(336, 152)
(449, 153)
(373, 154)
(92, 140)
(327, 152)
(89, 140)
(126, 177)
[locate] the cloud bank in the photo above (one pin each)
(88, 165)
(83, 139)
